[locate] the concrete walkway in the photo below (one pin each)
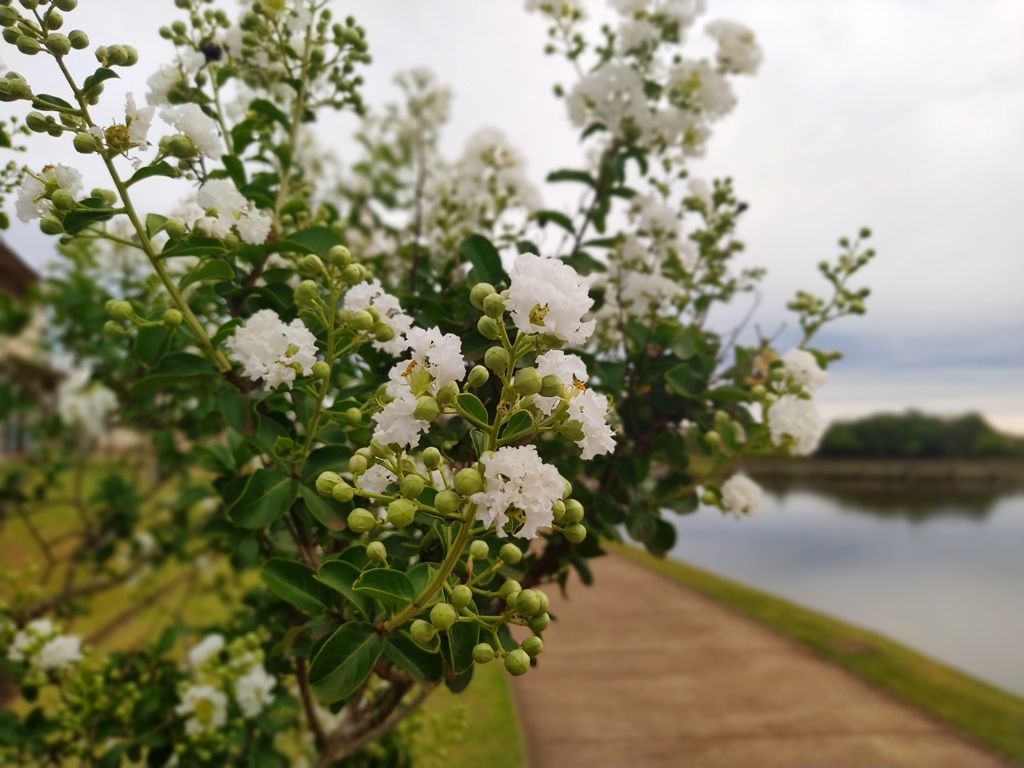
(641, 671)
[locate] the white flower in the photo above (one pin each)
(803, 367)
(58, 653)
(83, 404)
(612, 95)
(169, 75)
(684, 12)
(590, 408)
(740, 495)
(702, 191)
(644, 291)
(138, 121)
(27, 641)
(235, 210)
(253, 690)
(205, 649)
(566, 367)
(205, 708)
(634, 35)
(34, 193)
(271, 350)
(703, 89)
(366, 295)
(628, 7)
(794, 417)
(190, 120)
(397, 424)
(439, 353)
(41, 646)
(517, 480)
(376, 479)
(738, 50)
(547, 296)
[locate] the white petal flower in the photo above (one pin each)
(27, 641)
(271, 350)
(612, 95)
(376, 479)
(34, 193)
(515, 478)
(205, 649)
(738, 50)
(798, 419)
(84, 404)
(439, 353)
(58, 653)
(138, 121)
(190, 120)
(643, 291)
(204, 707)
(741, 495)
(253, 690)
(803, 367)
(566, 367)
(396, 423)
(366, 295)
(235, 210)
(590, 408)
(548, 296)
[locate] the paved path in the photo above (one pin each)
(642, 671)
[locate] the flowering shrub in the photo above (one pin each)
(402, 390)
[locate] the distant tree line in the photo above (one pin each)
(915, 434)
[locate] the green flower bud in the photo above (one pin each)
(468, 481)
(401, 512)
(58, 44)
(321, 369)
(510, 553)
(173, 318)
(758, 391)
(376, 552)
(79, 40)
(422, 632)
(133, 56)
(307, 293)
(527, 381)
(528, 603)
(461, 596)
(479, 550)
(712, 438)
(326, 481)
(380, 450)
(178, 146)
(383, 332)
(310, 265)
(36, 121)
(544, 602)
(352, 274)
(66, 5)
(362, 320)
(478, 376)
(431, 458)
(443, 616)
(572, 430)
(357, 465)
(496, 358)
(340, 256)
(353, 416)
(488, 328)
(116, 55)
(28, 45)
(108, 196)
(54, 20)
(721, 418)
(558, 512)
(539, 623)
(483, 653)
(494, 306)
(479, 292)
(575, 533)
(573, 511)
(533, 645)
(63, 200)
(8, 16)
(51, 225)
(362, 520)
(85, 143)
(447, 394)
(426, 408)
(447, 502)
(113, 328)
(343, 492)
(412, 486)
(551, 386)
(517, 662)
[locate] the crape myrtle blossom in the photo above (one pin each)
(85, 404)
(586, 406)
(517, 480)
(612, 95)
(169, 75)
(548, 296)
(271, 350)
(738, 50)
(35, 192)
(204, 708)
(803, 368)
(232, 210)
(798, 419)
(377, 478)
(253, 690)
(701, 87)
(371, 294)
(40, 645)
(741, 495)
(207, 648)
(197, 126)
(435, 362)
(566, 367)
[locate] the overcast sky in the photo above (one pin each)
(903, 115)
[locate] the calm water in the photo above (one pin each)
(944, 575)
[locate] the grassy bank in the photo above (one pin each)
(992, 716)
(967, 472)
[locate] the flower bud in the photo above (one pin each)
(426, 408)
(479, 292)
(307, 293)
(383, 332)
(118, 309)
(380, 451)
(509, 588)
(343, 492)
(36, 121)
(412, 486)
(551, 386)
(494, 306)
(58, 44)
(572, 430)
(362, 320)
(173, 318)
(533, 645)
(496, 358)
(357, 465)
(27, 45)
(575, 533)
(539, 623)
(376, 552)
(54, 20)
(517, 662)
(310, 265)
(758, 391)
(447, 393)
(488, 328)
(361, 520)
(483, 653)
(447, 502)
(352, 274)
(321, 369)
(8, 16)
(528, 603)
(401, 512)
(527, 381)
(443, 616)
(422, 632)
(468, 481)
(326, 481)
(51, 225)
(461, 596)
(712, 438)
(85, 143)
(63, 200)
(510, 553)
(709, 498)
(478, 376)
(573, 511)
(79, 40)
(178, 145)
(116, 56)
(479, 550)
(113, 328)
(340, 256)
(431, 458)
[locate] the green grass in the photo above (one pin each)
(993, 716)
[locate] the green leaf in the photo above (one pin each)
(640, 524)
(235, 169)
(296, 582)
(174, 369)
(101, 74)
(663, 538)
(210, 269)
(270, 110)
(583, 177)
(386, 585)
(340, 576)
(584, 263)
(472, 406)
(154, 223)
(328, 512)
(481, 253)
(255, 501)
(404, 652)
(345, 661)
(461, 638)
(318, 240)
(196, 246)
(459, 683)
(76, 221)
(151, 343)
(156, 169)
(420, 575)
(48, 103)
(555, 217)
(687, 380)
(518, 423)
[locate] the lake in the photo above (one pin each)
(942, 573)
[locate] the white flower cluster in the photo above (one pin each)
(372, 294)
(201, 129)
(516, 480)
(741, 495)
(738, 50)
(612, 95)
(232, 210)
(169, 75)
(84, 404)
(137, 121)
(548, 296)
(40, 645)
(796, 420)
(803, 369)
(35, 192)
(586, 406)
(435, 362)
(271, 350)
